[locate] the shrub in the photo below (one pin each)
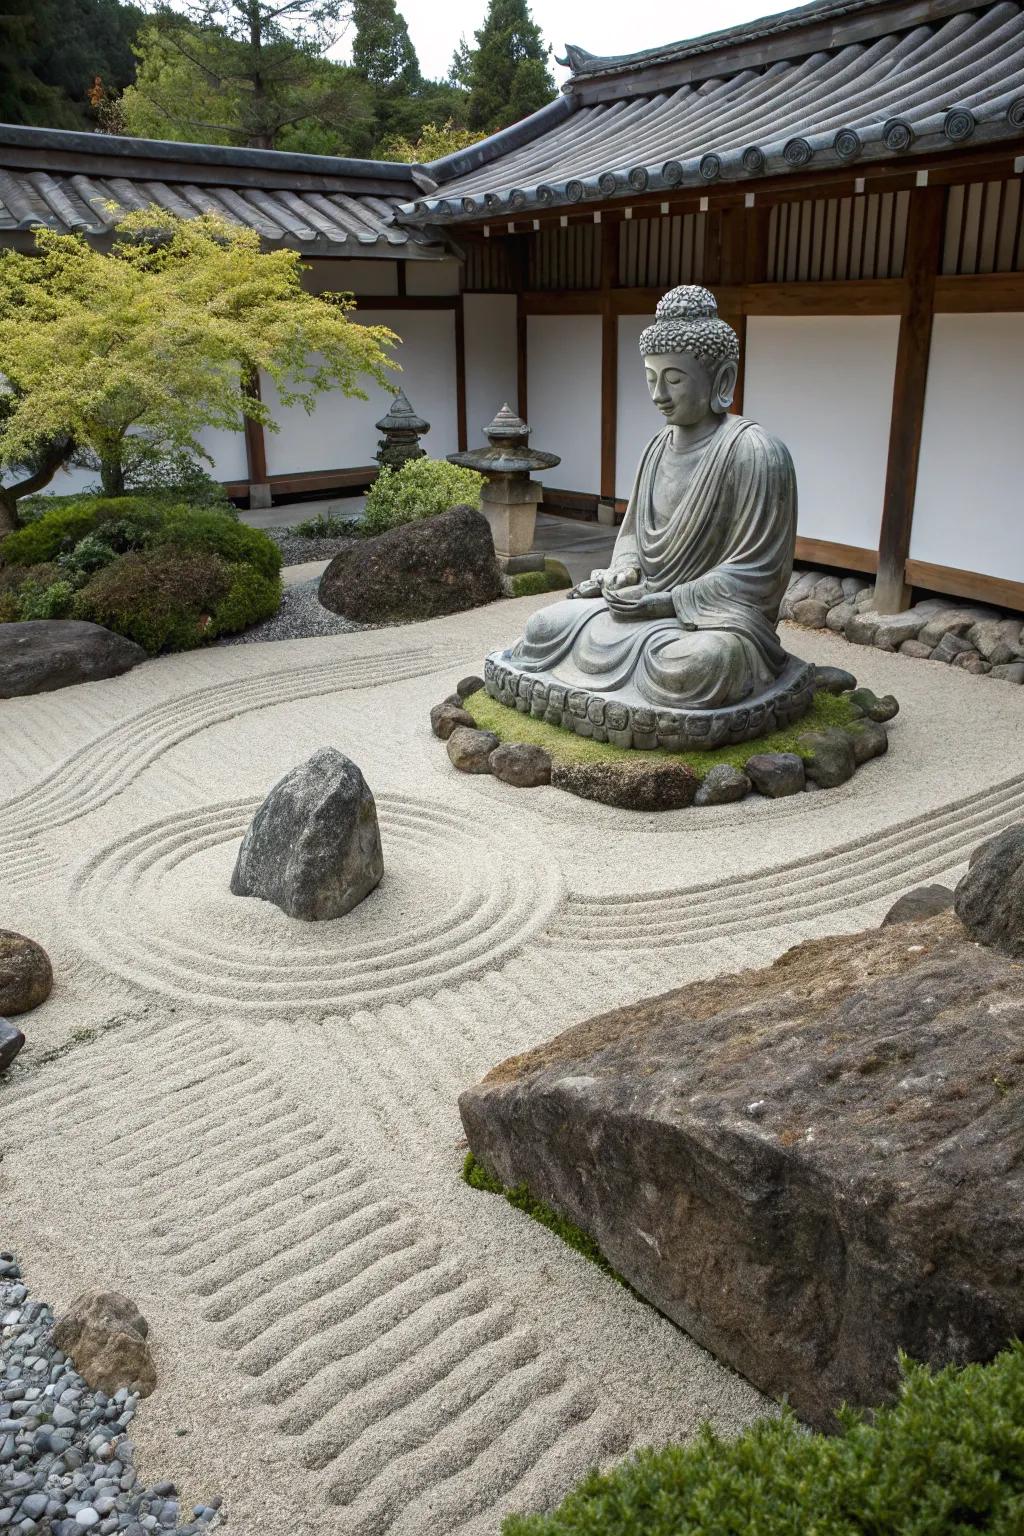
(251, 596)
(58, 532)
(50, 602)
(947, 1457)
(163, 599)
(421, 488)
(324, 526)
(201, 528)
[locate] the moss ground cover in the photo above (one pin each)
(509, 725)
(946, 1459)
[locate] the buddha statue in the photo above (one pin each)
(675, 643)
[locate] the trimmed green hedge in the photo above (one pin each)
(166, 575)
(946, 1459)
(421, 488)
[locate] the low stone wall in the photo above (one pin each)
(971, 636)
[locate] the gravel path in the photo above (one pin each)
(295, 550)
(300, 617)
(66, 1463)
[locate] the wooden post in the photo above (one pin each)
(256, 453)
(460, 374)
(521, 370)
(925, 226)
(609, 358)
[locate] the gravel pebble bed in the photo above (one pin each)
(66, 1463)
(295, 550)
(300, 617)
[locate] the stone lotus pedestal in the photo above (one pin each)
(510, 498)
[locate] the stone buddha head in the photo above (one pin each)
(690, 357)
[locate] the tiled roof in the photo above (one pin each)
(954, 78)
(317, 204)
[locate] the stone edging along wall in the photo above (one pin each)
(971, 636)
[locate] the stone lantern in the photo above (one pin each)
(509, 499)
(402, 430)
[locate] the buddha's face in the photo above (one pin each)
(685, 391)
(681, 387)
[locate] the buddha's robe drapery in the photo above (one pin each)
(725, 554)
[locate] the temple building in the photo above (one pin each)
(846, 177)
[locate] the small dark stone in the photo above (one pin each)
(470, 749)
(439, 565)
(989, 900)
(776, 773)
(723, 785)
(521, 764)
(810, 612)
(446, 717)
(878, 709)
(26, 976)
(647, 787)
(869, 739)
(833, 680)
(925, 901)
(313, 847)
(467, 686)
(11, 1042)
(828, 757)
(1009, 672)
(44, 654)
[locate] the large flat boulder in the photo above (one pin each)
(45, 654)
(808, 1167)
(440, 565)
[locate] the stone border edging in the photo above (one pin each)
(656, 785)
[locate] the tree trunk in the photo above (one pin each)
(52, 460)
(112, 475)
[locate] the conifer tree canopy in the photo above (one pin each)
(508, 73)
(383, 52)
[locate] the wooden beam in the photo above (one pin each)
(256, 451)
(521, 358)
(845, 557)
(460, 375)
(925, 226)
(972, 584)
(976, 294)
(609, 358)
(310, 480)
(869, 296)
(400, 280)
(398, 301)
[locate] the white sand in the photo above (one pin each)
(260, 1142)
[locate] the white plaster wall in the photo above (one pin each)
(638, 419)
(823, 383)
(227, 450)
(432, 277)
(490, 332)
(969, 507)
(564, 397)
(340, 433)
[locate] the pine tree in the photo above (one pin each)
(508, 71)
(383, 52)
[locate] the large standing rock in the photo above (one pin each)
(807, 1167)
(440, 565)
(105, 1335)
(45, 654)
(26, 975)
(989, 900)
(313, 848)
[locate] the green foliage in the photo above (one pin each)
(946, 1458)
(434, 143)
(131, 354)
(168, 576)
(382, 51)
(509, 725)
(477, 1177)
(195, 84)
(323, 526)
(169, 599)
(421, 488)
(507, 73)
(52, 51)
(532, 583)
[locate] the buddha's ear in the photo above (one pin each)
(723, 386)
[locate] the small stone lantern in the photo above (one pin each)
(509, 499)
(402, 430)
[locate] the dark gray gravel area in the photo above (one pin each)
(66, 1461)
(301, 616)
(295, 550)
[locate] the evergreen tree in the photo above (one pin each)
(383, 52)
(51, 53)
(508, 75)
